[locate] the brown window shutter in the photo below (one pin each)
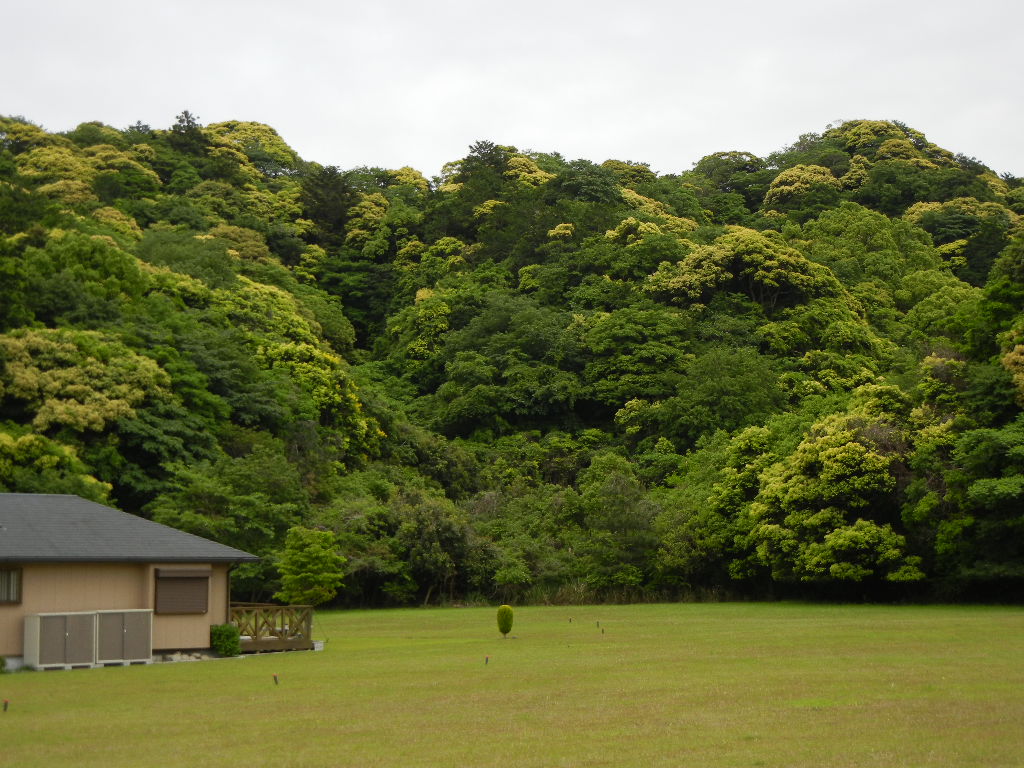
(182, 594)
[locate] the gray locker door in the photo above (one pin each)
(110, 646)
(80, 640)
(51, 639)
(137, 635)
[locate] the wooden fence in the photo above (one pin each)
(266, 627)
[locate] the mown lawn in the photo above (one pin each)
(652, 685)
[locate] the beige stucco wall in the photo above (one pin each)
(191, 630)
(56, 588)
(74, 587)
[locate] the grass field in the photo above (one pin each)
(651, 685)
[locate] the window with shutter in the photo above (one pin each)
(10, 585)
(182, 590)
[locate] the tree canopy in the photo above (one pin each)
(529, 378)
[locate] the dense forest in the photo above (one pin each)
(530, 378)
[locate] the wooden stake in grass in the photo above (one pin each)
(505, 620)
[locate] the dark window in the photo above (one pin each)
(184, 590)
(10, 585)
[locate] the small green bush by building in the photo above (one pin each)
(224, 639)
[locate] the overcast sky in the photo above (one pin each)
(404, 82)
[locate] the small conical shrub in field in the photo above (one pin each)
(505, 619)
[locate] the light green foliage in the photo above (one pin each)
(757, 264)
(880, 140)
(366, 218)
(970, 233)
(322, 375)
(820, 512)
(858, 244)
(563, 230)
(242, 243)
(312, 570)
(630, 174)
(659, 212)
(119, 174)
(73, 174)
(631, 230)
(81, 380)
(202, 257)
(73, 192)
(857, 174)
(18, 135)
(505, 619)
(418, 329)
(945, 311)
(118, 221)
(32, 463)
(92, 133)
(526, 172)
(80, 279)
(793, 185)
(422, 267)
(267, 312)
(1013, 361)
(261, 143)
(55, 163)
(532, 379)
(882, 260)
(411, 179)
(864, 134)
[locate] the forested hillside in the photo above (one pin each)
(531, 378)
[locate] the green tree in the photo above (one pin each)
(311, 568)
(77, 380)
(505, 620)
(617, 516)
(433, 533)
(826, 512)
(32, 463)
(804, 190)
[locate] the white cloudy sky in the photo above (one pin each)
(399, 82)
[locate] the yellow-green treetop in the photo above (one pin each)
(526, 172)
(252, 138)
(796, 182)
(77, 379)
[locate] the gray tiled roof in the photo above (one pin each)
(39, 527)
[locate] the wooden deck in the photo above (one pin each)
(265, 627)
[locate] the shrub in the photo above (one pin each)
(224, 639)
(505, 620)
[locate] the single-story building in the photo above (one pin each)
(82, 583)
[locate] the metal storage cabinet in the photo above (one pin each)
(124, 636)
(60, 639)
